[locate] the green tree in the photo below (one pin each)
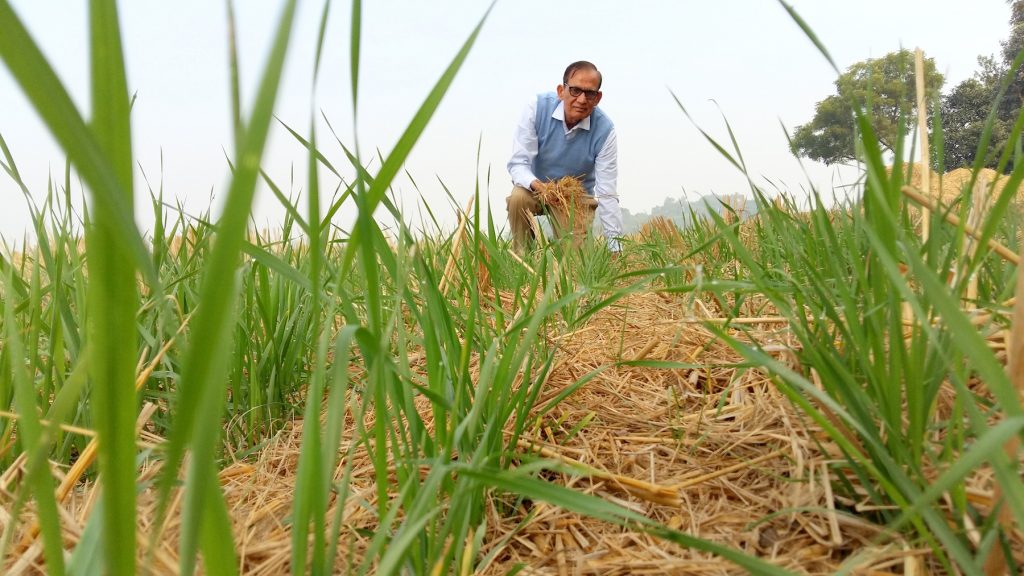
(884, 86)
(964, 113)
(1011, 47)
(966, 108)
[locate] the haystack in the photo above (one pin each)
(952, 183)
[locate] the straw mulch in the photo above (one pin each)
(712, 450)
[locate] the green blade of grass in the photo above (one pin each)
(307, 145)
(202, 385)
(113, 300)
(321, 34)
(721, 150)
(283, 200)
(275, 263)
(311, 504)
(218, 553)
(236, 98)
(39, 480)
(336, 404)
(355, 41)
(810, 34)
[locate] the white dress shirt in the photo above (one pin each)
(606, 167)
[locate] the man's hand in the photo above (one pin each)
(537, 187)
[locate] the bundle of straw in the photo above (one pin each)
(566, 192)
(567, 196)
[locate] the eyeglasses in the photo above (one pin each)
(575, 92)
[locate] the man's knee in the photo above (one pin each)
(520, 200)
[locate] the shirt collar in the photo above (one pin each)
(559, 114)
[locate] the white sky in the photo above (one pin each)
(745, 59)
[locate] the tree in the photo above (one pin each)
(829, 136)
(964, 112)
(967, 107)
(1011, 47)
(885, 87)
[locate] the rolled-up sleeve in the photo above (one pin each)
(606, 174)
(524, 148)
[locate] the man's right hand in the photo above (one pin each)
(537, 187)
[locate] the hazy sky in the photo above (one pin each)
(745, 60)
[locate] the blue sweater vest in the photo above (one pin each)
(559, 155)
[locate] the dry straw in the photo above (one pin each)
(713, 450)
(953, 184)
(660, 228)
(568, 201)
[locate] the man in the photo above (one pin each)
(565, 134)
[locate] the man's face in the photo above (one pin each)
(579, 107)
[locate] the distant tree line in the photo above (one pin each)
(886, 88)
